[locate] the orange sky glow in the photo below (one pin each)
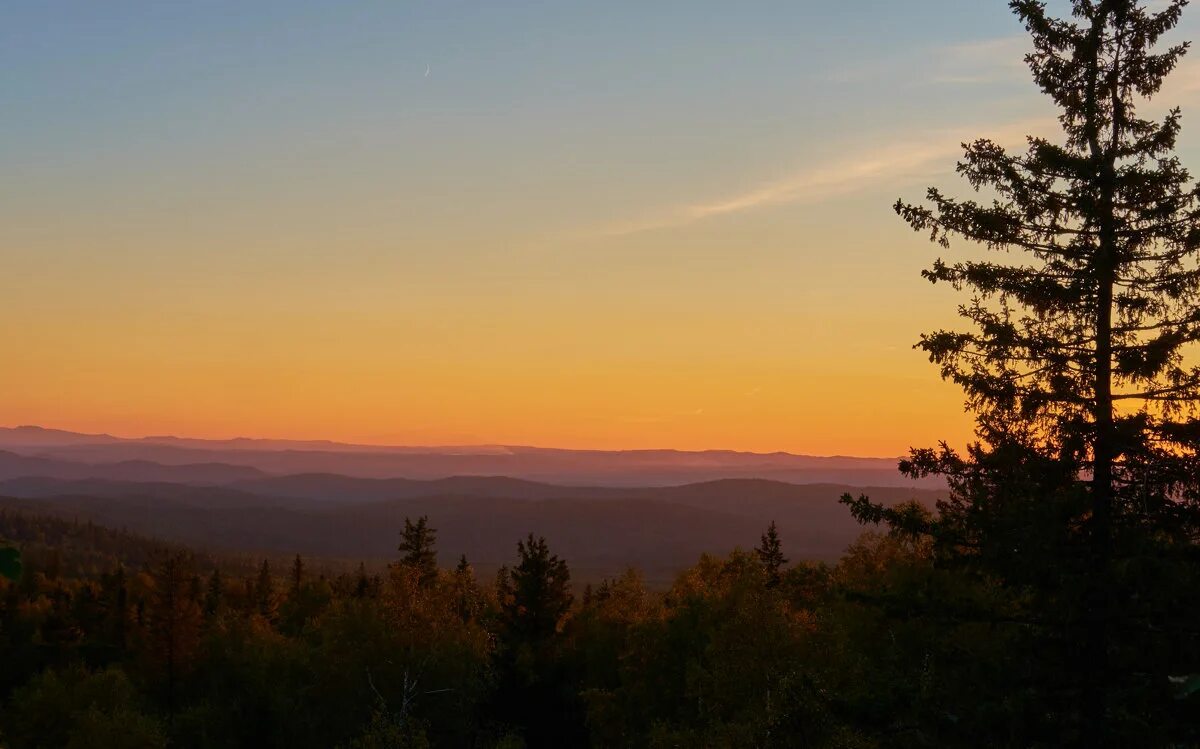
(304, 227)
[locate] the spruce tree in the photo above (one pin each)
(174, 619)
(116, 594)
(536, 593)
(264, 593)
(466, 590)
(297, 575)
(533, 690)
(214, 594)
(362, 584)
(770, 553)
(417, 543)
(1081, 493)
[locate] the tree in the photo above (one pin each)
(10, 562)
(265, 604)
(75, 708)
(770, 553)
(362, 584)
(466, 590)
(214, 594)
(536, 594)
(533, 692)
(115, 589)
(1084, 475)
(174, 621)
(297, 575)
(417, 543)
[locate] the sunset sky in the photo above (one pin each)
(609, 225)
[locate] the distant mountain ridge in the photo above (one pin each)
(14, 465)
(34, 436)
(627, 468)
(655, 509)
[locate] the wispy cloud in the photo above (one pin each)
(896, 163)
(907, 157)
(992, 60)
(998, 60)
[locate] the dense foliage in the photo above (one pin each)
(122, 642)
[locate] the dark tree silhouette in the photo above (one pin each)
(362, 584)
(174, 622)
(418, 543)
(264, 593)
(770, 553)
(536, 594)
(466, 590)
(214, 594)
(10, 562)
(1075, 362)
(116, 595)
(534, 597)
(297, 575)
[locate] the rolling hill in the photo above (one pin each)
(620, 468)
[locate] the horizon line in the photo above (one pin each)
(439, 446)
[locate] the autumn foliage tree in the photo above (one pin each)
(1082, 492)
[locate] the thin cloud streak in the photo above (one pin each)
(907, 159)
(894, 164)
(996, 60)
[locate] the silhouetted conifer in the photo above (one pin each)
(1085, 473)
(214, 594)
(770, 553)
(536, 593)
(362, 584)
(418, 544)
(174, 621)
(297, 575)
(264, 592)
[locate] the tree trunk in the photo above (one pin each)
(1098, 602)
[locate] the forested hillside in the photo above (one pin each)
(116, 640)
(660, 530)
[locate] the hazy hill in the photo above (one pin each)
(164, 493)
(600, 531)
(333, 487)
(34, 436)
(13, 465)
(655, 509)
(630, 468)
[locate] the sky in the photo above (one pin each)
(593, 225)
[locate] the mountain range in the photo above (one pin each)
(611, 509)
(551, 465)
